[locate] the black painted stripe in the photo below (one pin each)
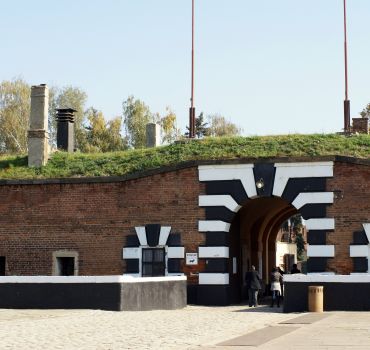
(132, 265)
(132, 241)
(219, 213)
(316, 237)
(174, 240)
(217, 239)
(174, 265)
(152, 234)
(298, 185)
(266, 173)
(220, 265)
(360, 238)
(360, 264)
(231, 187)
(309, 211)
(317, 264)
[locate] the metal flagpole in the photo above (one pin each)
(192, 108)
(346, 100)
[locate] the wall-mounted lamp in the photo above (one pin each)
(338, 194)
(260, 184)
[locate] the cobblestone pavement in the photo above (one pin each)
(189, 328)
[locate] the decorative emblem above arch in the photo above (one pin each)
(229, 186)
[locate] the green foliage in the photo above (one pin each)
(170, 133)
(100, 135)
(136, 115)
(14, 115)
(201, 128)
(366, 111)
(300, 246)
(219, 126)
(133, 161)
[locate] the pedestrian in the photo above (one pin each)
(276, 279)
(295, 269)
(252, 280)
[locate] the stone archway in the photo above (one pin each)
(288, 187)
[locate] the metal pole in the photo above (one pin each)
(346, 101)
(192, 108)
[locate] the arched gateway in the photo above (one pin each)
(245, 205)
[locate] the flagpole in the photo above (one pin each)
(346, 100)
(192, 108)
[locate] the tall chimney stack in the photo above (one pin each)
(65, 129)
(38, 132)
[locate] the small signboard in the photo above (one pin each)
(191, 258)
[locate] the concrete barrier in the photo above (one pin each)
(115, 293)
(341, 292)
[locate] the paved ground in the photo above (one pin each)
(191, 328)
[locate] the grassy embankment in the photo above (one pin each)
(121, 163)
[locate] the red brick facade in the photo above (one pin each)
(93, 219)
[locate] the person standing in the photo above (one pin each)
(252, 280)
(295, 269)
(276, 280)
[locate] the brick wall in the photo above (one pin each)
(351, 209)
(93, 219)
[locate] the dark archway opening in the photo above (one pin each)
(253, 240)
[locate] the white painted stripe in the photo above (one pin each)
(163, 235)
(131, 253)
(219, 201)
(141, 234)
(242, 172)
(313, 198)
(359, 251)
(320, 224)
(286, 171)
(213, 226)
(214, 278)
(353, 278)
(320, 251)
(367, 230)
(213, 252)
(175, 252)
(87, 279)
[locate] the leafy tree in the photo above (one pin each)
(14, 115)
(168, 126)
(299, 240)
(219, 126)
(366, 111)
(102, 136)
(136, 115)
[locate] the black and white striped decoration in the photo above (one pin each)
(153, 236)
(230, 186)
(359, 251)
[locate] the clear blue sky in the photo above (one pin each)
(270, 66)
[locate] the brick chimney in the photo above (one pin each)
(38, 147)
(360, 125)
(65, 129)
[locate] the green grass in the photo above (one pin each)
(122, 163)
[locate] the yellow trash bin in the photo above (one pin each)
(315, 298)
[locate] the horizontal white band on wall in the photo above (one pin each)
(286, 171)
(88, 279)
(213, 226)
(320, 251)
(353, 278)
(242, 172)
(131, 253)
(219, 201)
(313, 198)
(163, 235)
(175, 252)
(214, 278)
(320, 224)
(213, 252)
(359, 251)
(141, 234)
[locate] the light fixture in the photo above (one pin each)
(260, 184)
